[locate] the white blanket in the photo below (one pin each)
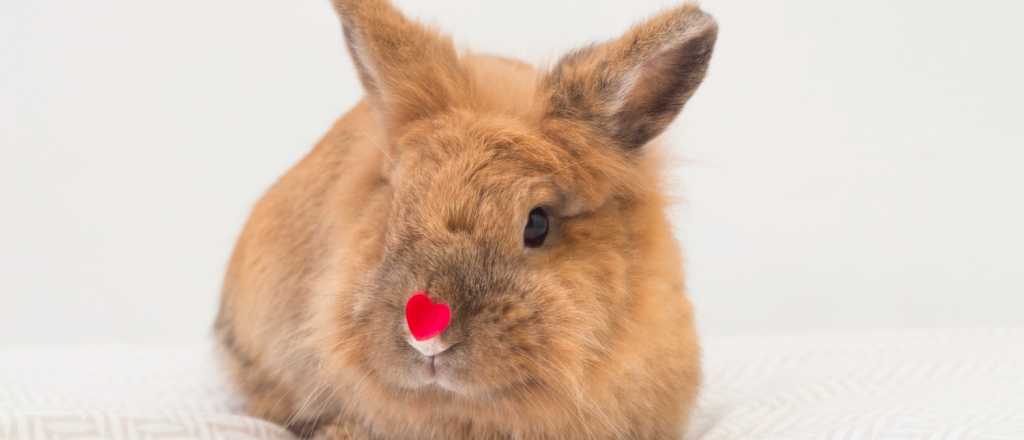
(911, 385)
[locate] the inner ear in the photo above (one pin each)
(657, 91)
(631, 88)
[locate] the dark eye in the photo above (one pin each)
(536, 228)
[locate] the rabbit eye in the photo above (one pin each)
(536, 228)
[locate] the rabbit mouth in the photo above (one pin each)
(438, 368)
(447, 375)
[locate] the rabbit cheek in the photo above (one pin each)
(501, 351)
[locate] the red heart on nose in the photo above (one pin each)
(425, 318)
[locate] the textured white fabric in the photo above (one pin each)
(121, 392)
(966, 384)
(912, 385)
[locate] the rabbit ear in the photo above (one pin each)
(631, 88)
(408, 70)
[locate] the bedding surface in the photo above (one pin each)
(948, 384)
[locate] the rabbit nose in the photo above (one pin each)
(431, 347)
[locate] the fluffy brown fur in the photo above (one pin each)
(427, 185)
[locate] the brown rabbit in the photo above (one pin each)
(526, 201)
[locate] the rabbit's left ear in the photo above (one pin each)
(408, 70)
(631, 88)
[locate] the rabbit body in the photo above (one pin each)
(426, 185)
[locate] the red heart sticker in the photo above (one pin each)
(425, 318)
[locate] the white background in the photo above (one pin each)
(846, 166)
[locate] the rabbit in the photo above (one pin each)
(526, 201)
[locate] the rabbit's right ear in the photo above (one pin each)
(409, 71)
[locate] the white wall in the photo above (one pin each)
(847, 165)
